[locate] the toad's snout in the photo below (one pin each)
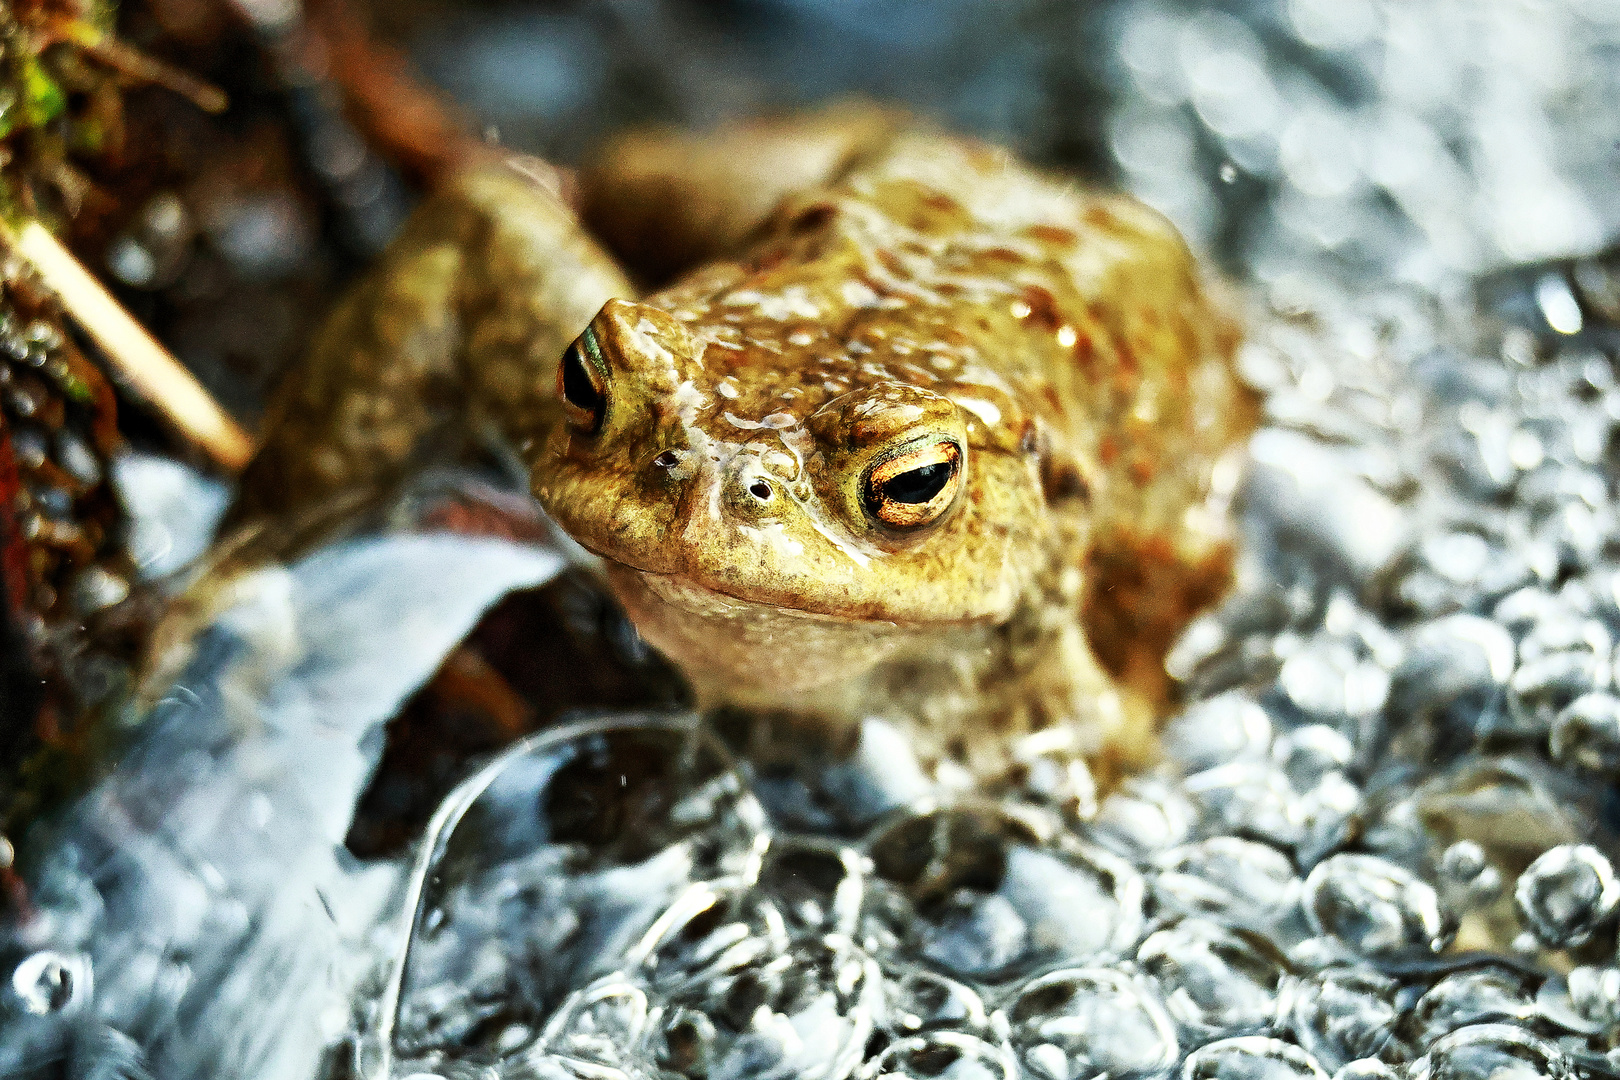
(707, 492)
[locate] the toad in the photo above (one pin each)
(904, 427)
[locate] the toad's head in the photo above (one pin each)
(774, 513)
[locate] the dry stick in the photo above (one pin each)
(137, 65)
(135, 354)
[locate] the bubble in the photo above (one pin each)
(1566, 894)
(1558, 304)
(710, 931)
(1465, 867)
(1224, 728)
(1315, 679)
(816, 886)
(976, 934)
(990, 902)
(1330, 812)
(553, 862)
(556, 1067)
(1374, 906)
(1489, 992)
(1081, 1023)
(683, 1042)
(1227, 878)
(1146, 814)
(1251, 1057)
(1455, 667)
(1343, 1014)
(1051, 771)
(1251, 797)
(1491, 1052)
(920, 1000)
(52, 982)
(603, 1022)
(810, 789)
(1365, 1069)
(1213, 982)
(1310, 753)
(1333, 25)
(805, 1013)
(947, 1055)
(1594, 992)
(1586, 733)
(1543, 686)
(131, 263)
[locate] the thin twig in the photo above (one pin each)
(136, 355)
(148, 69)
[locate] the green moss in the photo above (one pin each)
(42, 99)
(78, 389)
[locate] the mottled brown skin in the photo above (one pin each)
(901, 299)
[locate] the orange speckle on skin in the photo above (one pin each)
(1043, 313)
(1085, 352)
(765, 262)
(1101, 217)
(812, 218)
(1125, 352)
(1052, 234)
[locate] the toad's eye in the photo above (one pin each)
(915, 486)
(581, 387)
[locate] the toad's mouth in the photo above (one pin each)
(710, 600)
(700, 599)
(704, 597)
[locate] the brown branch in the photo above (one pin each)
(147, 69)
(403, 120)
(134, 64)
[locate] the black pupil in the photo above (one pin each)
(577, 385)
(918, 485)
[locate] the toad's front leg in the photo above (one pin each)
(455, 334)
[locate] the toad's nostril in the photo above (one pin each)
(760, 490)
